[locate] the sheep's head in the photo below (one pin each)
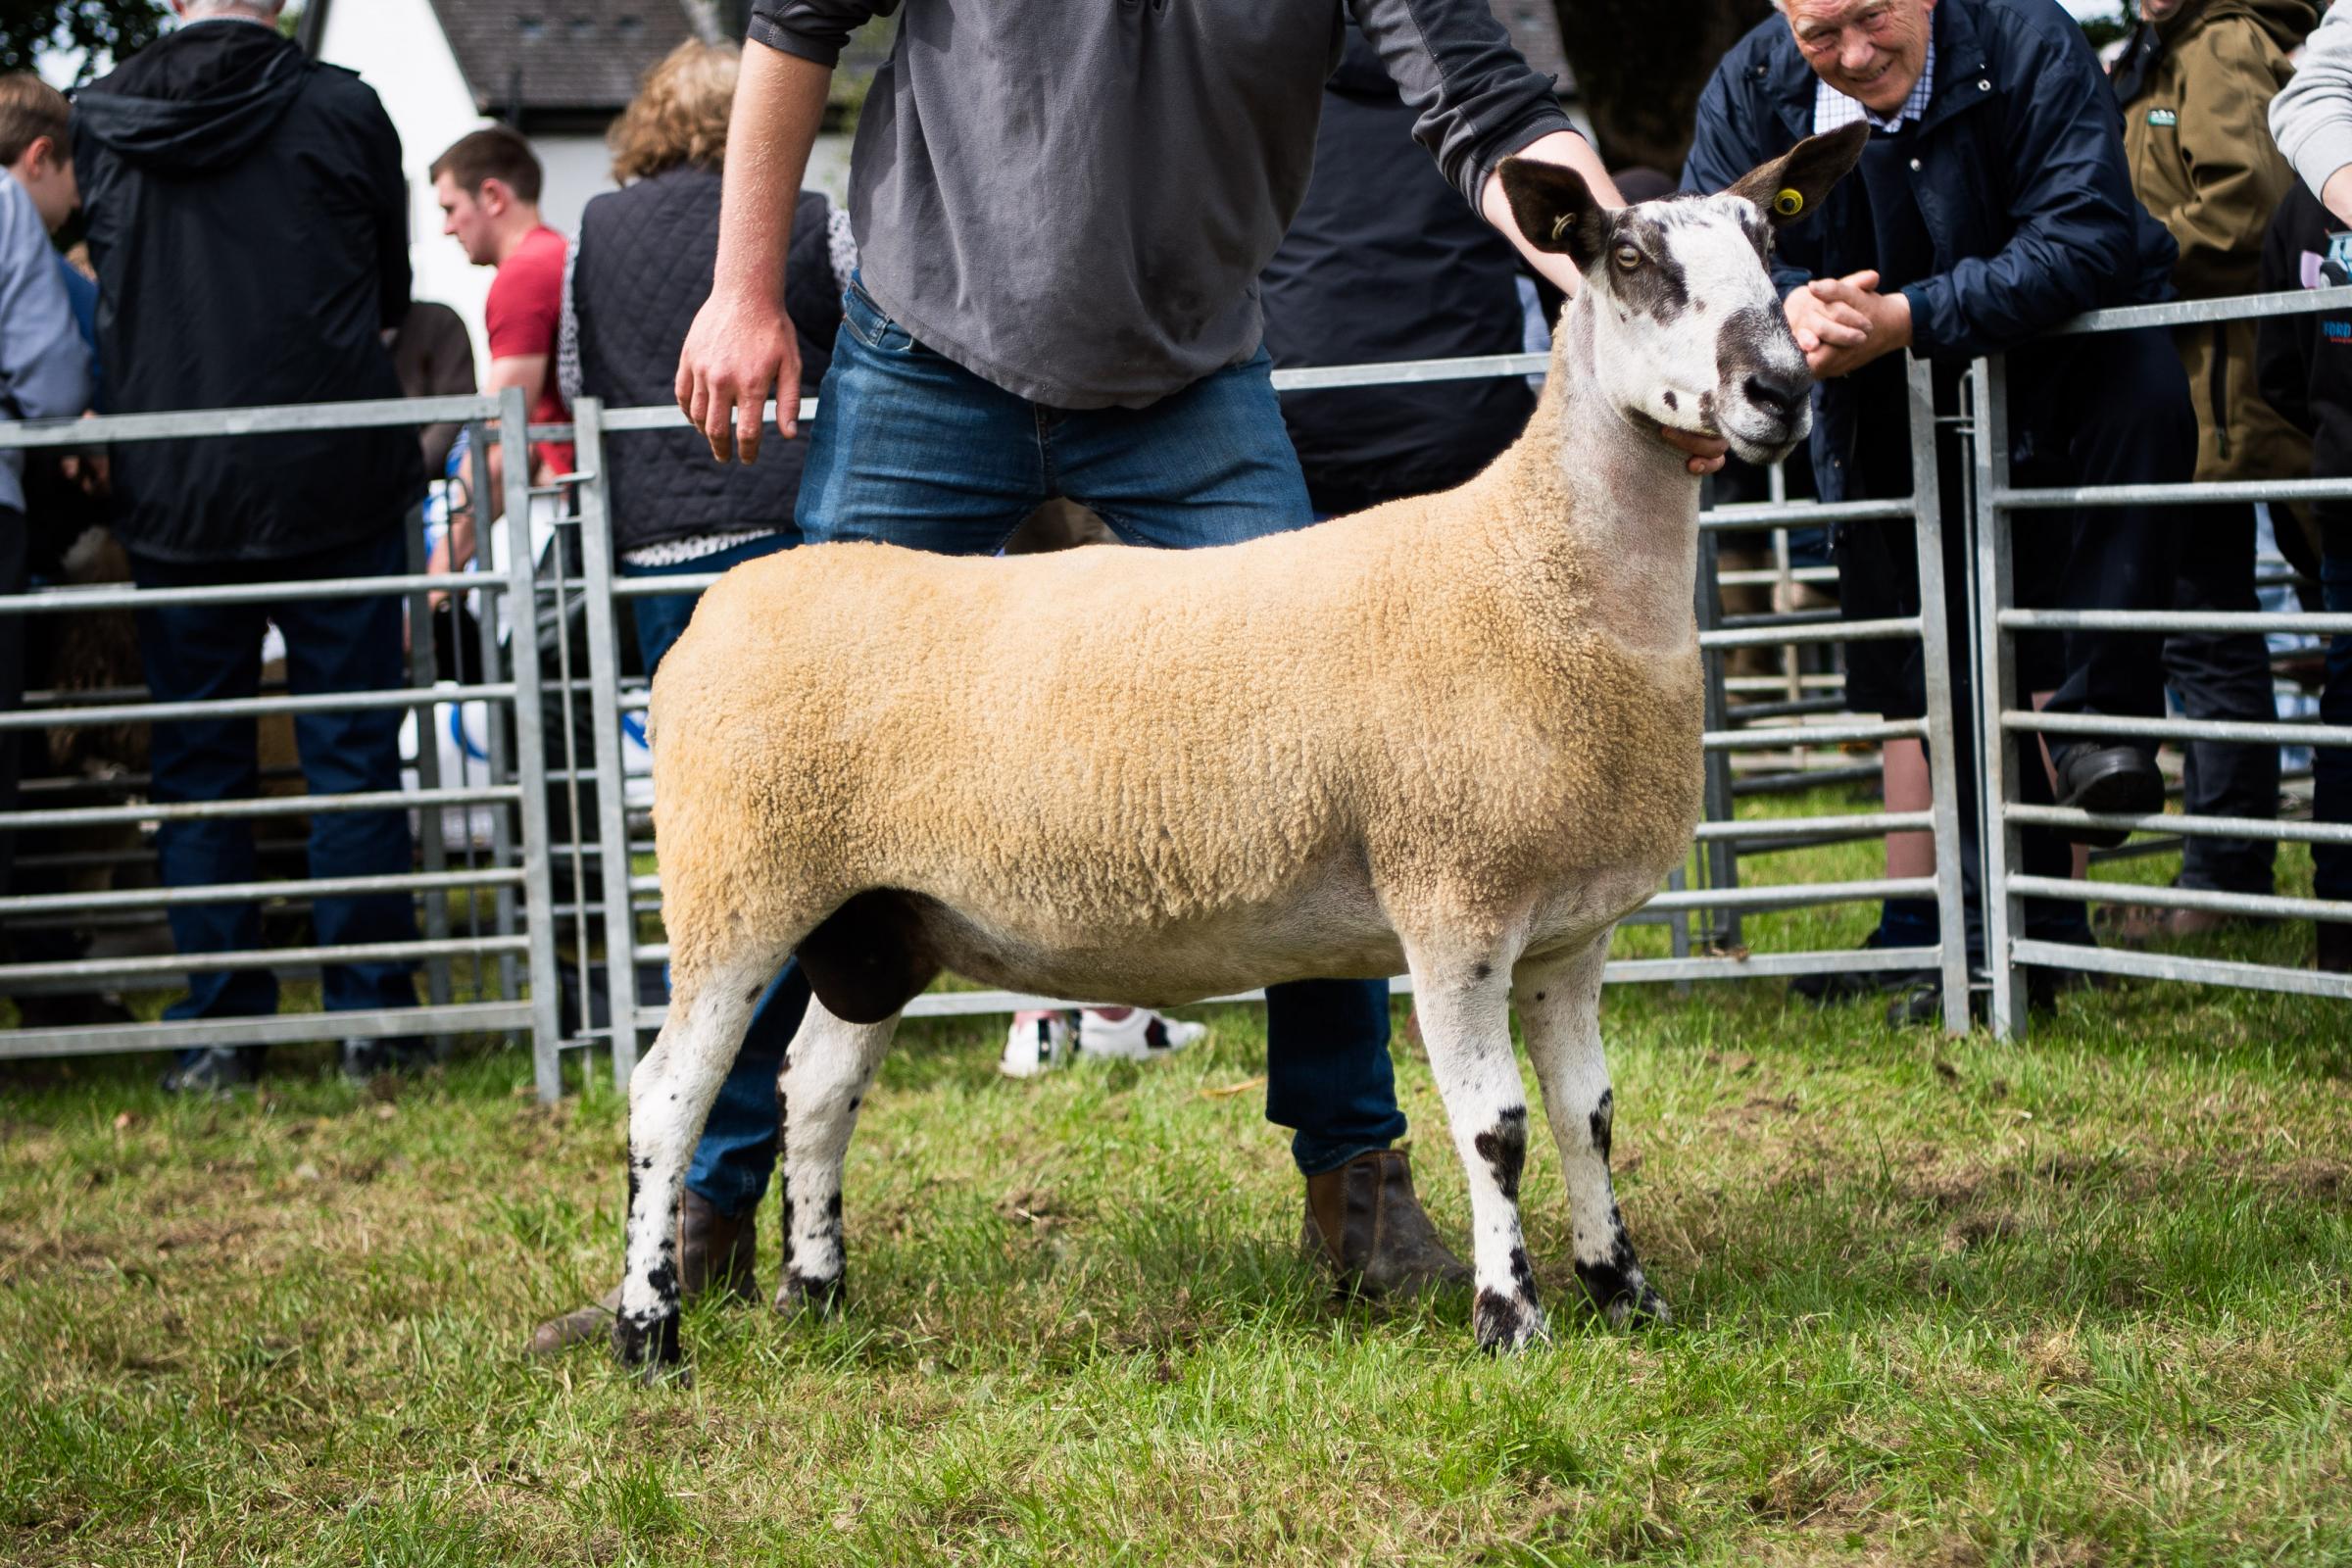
(1688, 330)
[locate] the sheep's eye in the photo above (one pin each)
(1629, 257)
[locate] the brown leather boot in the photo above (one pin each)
(713, 1253)
(1364, 1222)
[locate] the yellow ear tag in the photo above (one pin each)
(1788, 203)
(1559, 226)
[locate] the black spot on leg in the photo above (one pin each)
(804, 1292)
(833, 1210)
(1672, 401)
(1482, 971)
(1500, 1322)
(754, 996)
(856, 1100)
(1604, 1117)
(1538, 996)
(1523, 1273)
(1503, 1146)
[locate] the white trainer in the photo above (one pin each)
(1139, 1036)
(1038, 1043)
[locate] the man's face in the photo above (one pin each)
(465, 218)
(1870, 50)
(2159, 10)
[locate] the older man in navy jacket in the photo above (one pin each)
(1993, 202)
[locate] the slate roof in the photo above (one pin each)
(533, 59)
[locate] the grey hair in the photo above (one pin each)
(258, 10)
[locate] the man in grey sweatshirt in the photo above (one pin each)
(44, 375)
(2311, 117)
(1061, 211)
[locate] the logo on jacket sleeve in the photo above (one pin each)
(2163, 117)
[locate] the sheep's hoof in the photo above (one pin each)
(1645, 1310)
(802, 1296)
(1506, 1324)
(650, 1347)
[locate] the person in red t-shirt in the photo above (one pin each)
(488, 187)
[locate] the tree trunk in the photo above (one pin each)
(1640, 65)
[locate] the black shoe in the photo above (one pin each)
(2115, 780)
(1857, 985)
(213, 1071)
(1922, 1007)
(363, 1059)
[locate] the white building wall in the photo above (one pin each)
(396, 47)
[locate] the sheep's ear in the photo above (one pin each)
(1555, 209)
(1792, 185)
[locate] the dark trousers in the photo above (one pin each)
(196, 651)
(12, 679)
(2223, 677)
(2069, 425)
(2332, 765)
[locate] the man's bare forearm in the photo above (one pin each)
(779, 106)
(1563, 147)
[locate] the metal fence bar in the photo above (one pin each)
(1935, 664)
(2176, 620)
(1997, 753)
(366, 413)
(1863, 824)
(259, 806)
(75, 601)
(514, 458)
(604, 690)
(1780, 737)
(2279, 829)
(2295, 734)
(463, 1017)
(173, 897)
(182, 963)
(1848, 631)
(243, 708)
(2195, 971)
(2262, 905)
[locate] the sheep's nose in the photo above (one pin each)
(1777, 392)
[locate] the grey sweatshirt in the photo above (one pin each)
(2311, 118)
(44, 368)
(1073, 198)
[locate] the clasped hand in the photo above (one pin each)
(1842, 324)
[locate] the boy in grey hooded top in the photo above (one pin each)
(44, 366)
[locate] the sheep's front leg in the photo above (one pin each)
(669, 1098)
(826, 1074)
(1463, 1004)
(1559, 1010)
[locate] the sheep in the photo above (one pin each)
(1457, 736)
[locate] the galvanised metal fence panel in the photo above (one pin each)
(2008, 724)
(496, 1004)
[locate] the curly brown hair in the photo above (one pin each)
(679, 114)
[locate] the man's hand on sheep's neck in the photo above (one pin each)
(1842, 324)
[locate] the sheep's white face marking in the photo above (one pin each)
(1687, 330)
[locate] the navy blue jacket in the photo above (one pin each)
(2022, 184)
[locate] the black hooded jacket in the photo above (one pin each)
(248, 219)
(1385, 260)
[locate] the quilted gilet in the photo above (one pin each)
(643, 269)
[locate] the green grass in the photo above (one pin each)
(2075, 1300)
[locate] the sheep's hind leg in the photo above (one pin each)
(669, 1098)
(826, 1074)
(1463, 1004)
(1559, 1010)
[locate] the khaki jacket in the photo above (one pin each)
(2197, 133)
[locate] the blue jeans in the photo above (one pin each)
(737, 1153)
(2332, 765)
(912, 448)
(332, 645)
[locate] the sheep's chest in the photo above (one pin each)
(1623, 745)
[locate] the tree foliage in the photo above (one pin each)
(94, 30)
